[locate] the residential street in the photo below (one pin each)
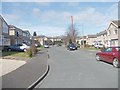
(78, 69)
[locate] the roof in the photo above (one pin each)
(117, 22)
(102, 33)
(3, 19)
(92, 36)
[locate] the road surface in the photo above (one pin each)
(78, 69)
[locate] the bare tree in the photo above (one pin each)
(72, 34)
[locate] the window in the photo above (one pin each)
(5, 28)
(108, 33)
(108, 50)
(116, 31)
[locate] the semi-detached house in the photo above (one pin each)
(4, 34)
(101, 37)
(112, 33)
(91, 39)
(18, 36)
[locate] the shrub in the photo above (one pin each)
(32, 51)
(29, 52)
(87, 46)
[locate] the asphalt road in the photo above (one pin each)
(78, 69)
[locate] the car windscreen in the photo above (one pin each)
(72, 45)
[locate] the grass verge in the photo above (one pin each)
(15, 54)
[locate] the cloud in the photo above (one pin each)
(56, 22)
(48, 30)
(11, 17)
(60, 1)
(73, 4)
(43, 3)
(36, 11)
(113, 11)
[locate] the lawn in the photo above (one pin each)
(15, 54)
(20, 55)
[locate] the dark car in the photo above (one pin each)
(18, 47)
(111, 55)
(71, 46)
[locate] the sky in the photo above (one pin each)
(54, 18)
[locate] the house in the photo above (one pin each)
(81, 39)
(101, 37)
(18, 36)
(112, 33)
(41, 39)
(4, 34)
(91, 39)
(26, 36)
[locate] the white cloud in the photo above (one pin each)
(113, 11)
(71, 4)
(36, 11)
(11, 18)
(43, 3)
(89, 16)
(47, 30)
(60, 0)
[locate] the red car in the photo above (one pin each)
(111, 55)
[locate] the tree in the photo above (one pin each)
(34, 34)
(72, 34)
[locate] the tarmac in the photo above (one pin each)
(28, 74)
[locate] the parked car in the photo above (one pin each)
(71, 46)
(46, 46)
(36, 45)
(111, 55)
(18, 47)
(98, 45)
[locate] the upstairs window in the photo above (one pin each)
(115, 31)
(109, 32)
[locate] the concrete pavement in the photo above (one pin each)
(27, 75)
(10, 65)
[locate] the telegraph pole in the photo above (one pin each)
(72, 28)
(83, 36)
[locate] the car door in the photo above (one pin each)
(108, 54)
(18, 47)
(103, 54)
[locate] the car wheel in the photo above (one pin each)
(116, 63)
(25, 50)
(9, 49)
(97, 57)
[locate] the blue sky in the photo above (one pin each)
(53, 18)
